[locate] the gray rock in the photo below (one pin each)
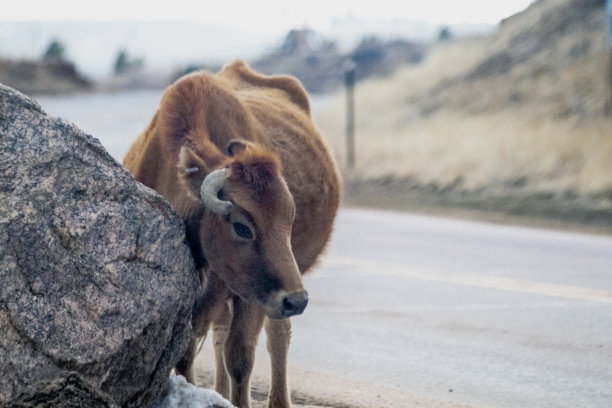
(96, 280)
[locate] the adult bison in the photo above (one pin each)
(238, 157)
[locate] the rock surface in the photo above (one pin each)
(97, 282)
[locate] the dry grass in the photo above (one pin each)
(552, 138)
(496, 150)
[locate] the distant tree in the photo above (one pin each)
(369, 51)
(187, 70)
(121, 62)
(444, 34)
(56, 51)
(124, 64)
(291, 42)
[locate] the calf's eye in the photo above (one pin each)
(243, 231)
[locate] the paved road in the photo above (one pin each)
(410, 310)
(116, 119)
(417, 311)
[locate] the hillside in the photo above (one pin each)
(42, 77)
(558, 46)
(519, 122)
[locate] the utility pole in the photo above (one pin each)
(609, 9)
(349, 80)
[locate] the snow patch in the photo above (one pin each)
(182, 394)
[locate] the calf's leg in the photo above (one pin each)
(278, 333)
(209, 305)
(185, 366)
(221, 328)
(239, 350)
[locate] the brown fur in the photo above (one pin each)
(284, 186)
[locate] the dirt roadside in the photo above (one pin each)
(504, 205)
(317, 389)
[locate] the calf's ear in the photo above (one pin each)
(192, 171)
(181, 109)
(237, 146)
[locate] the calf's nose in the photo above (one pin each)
(294, 303)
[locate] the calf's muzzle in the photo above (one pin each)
(294, 303)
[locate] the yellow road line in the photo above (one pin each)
(469, 279)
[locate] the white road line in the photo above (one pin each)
(476, 280)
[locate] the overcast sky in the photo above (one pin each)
(266, 15)
(220, 31)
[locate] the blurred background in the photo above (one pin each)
(498, 107)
